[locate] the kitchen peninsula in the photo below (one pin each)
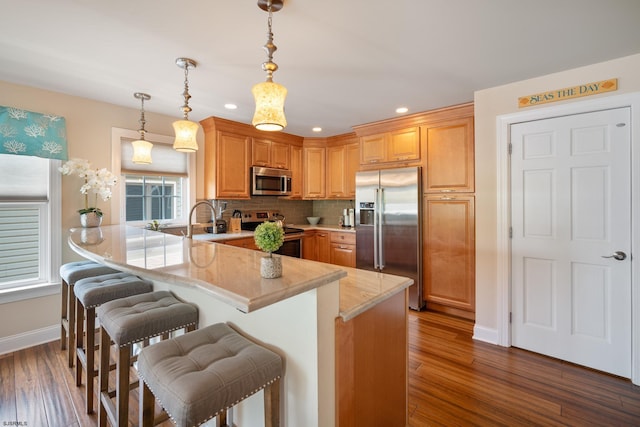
(342, 331)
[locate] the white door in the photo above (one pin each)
(571, 211)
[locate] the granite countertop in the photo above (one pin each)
(229, 273)
(210, 237)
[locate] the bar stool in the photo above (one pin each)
(91, 293)
(201, 374)
(70, 273)
(127, 321)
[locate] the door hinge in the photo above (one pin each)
(511, 232)
(510, 148)
(510, 317)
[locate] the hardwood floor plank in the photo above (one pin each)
(56, 400)
(7, 390)
(29, 397)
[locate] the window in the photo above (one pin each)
(160, 191)
(153, 197)
(30, 235)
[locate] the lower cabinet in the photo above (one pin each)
(333, 247)
(449, 253)
(246, 242)
(343, 249)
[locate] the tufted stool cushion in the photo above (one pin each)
(91, 293)
(70, 273)
(196, 375)
(95, 291)
(136, 318)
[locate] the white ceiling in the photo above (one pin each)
(344, 62)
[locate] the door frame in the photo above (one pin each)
(503, 217)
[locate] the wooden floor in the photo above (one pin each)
(453, 380)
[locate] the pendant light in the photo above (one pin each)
(269, 96)
(185, 129)
(142, 148)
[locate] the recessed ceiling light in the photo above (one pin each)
(230, 106)
(401, 110)
(317, 129)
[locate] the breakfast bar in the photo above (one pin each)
(338, 329)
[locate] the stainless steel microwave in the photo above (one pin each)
(270, 181)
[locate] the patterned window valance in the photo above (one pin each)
(32, 134)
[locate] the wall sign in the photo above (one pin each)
(586, 89)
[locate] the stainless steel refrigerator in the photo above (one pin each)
(389, 226)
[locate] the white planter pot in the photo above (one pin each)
(271, 267)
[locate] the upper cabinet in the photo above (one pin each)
(343, 161)
(270, 154)
(231, 148)
(296, 172)
(449, 163)
(314, 172)
(401, 145)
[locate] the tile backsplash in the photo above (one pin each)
(295, 211)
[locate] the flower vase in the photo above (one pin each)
(90, 219)
(270, 267)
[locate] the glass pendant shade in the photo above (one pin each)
(141, 152)
(269, 114)
(186, 132)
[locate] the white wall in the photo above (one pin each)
(491, 103)
(89, 126)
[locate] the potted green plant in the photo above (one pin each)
(269, 236)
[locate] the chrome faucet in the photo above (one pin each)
(201, 202)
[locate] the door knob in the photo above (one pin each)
(619, 255)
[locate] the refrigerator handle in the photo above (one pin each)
(380, 206)
(375, 232)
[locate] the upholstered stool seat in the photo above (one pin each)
(127, 321)
(201, 374)
(70, 273)
(91, 293)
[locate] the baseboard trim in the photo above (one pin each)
(29, 339)
(488, 335)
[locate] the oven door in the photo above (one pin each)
(291, 247)
(270, 182)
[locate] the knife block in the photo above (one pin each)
(236, 225)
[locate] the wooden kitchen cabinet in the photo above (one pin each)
(342, 164)
(449, 253)
(270, 154)
(245, 242)
(227, 157)
(309, 247)
(296, 172)
(323, 246)
(449, 163)
(394, 146)
(343, 249)
(314, 171)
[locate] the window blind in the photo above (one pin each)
(166, 161)
(23, 178)
(19, 244)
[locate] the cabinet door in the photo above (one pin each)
(247, 243)
(373, 148)
(280, 155)
(404, 145)
(323, 246)
(336, 172)
(314, 169)
(344, 255)
(309, 248)
(261, 152)
(449, 251)
(296, 172)
(353, 165)
(450, 157)
(233, 156)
